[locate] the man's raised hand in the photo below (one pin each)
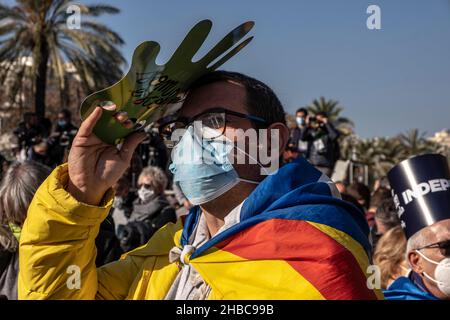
(95, 166)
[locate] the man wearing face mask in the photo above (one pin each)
(422, 195)
(65, 130)
(61, 138)
(297, 134)
(250, 235)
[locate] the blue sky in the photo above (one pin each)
(388, 80)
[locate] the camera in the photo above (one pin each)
(66, 138)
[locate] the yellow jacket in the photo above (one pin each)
(275, 258)
(60, 232)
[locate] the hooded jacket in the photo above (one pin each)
(294, 240)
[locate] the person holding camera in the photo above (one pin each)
(65, 131)
(63, 135)
(29, 132)
(322, 137)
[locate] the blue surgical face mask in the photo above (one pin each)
(203, 168)
(62, 123)
(300, 121)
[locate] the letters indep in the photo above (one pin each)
(421, 189)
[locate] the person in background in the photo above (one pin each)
(389, 256)
(64, 125)
(296, 141)
(381, 183)
(360, 192)
(353, 201)
(16, 152)
(341, 186)
(121, 207)
(376, 199)
(107, 243)
(379, 196)
(151, 210)
(322, 143)
(46, 125)
(426, 250)
(44, 153)
(16, 192)
(132, 173)
(153, 151)
(62, 137)
(425, 219)
(291, 152)
(386, 217)
(29, 131)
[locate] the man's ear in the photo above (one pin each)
(283, 132)
(415, 261)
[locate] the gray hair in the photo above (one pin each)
(159, 178)
(387, 214)
(17, 189)
(417, 241)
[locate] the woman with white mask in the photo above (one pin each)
(151, 210)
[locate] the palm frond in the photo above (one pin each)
(36, 30)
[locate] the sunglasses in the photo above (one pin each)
(443, 246)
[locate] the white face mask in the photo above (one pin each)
(145, 194)
(441, 273)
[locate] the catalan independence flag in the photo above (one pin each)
(296, 239)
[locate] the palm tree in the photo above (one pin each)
(332, 109)
(37, 30)
(379, 154)
(414, 143)
(388, 153)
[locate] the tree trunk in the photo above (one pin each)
(41, 78)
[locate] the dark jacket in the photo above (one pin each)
(108, 246)
(144, 221)
(9, 270)
(322, 145)
(29, 136)
(296, 140)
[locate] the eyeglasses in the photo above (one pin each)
(213, 122)
(443, 246)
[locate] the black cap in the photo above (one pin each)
(421, 191)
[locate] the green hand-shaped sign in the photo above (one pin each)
(150, 91)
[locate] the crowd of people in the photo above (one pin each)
(51, 219)
(144, 198)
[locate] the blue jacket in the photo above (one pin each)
(407, 288)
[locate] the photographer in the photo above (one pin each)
(322, 146)
(153, 151)
(61, 139)
(29, 132)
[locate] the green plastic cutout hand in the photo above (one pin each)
(150, 91)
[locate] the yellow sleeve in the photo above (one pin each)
(57, 248)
